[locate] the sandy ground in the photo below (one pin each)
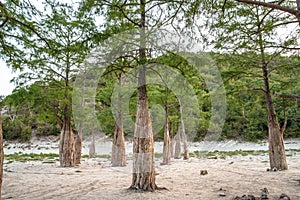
(96, 179)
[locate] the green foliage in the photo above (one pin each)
(107, 121)
(28, 110)
(251, 35)
(54, 44)
(16, 129)
(246, 112)
(44, 128)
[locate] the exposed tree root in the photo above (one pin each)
(137, 189)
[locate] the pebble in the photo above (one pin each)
(203, 172)
(284, 197)
(221, 192)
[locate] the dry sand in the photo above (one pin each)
(96, 179)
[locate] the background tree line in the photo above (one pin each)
(31, 110)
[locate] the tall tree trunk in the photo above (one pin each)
(177, 153)
(118, 146)
(78, 145)
(143, 176)
(172, 142)
(1, 155)
(166, 148)
(276, 145)
(66, 146)
(186, 154)
(92, 150)
(78, 140)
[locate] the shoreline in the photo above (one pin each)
(104, 146)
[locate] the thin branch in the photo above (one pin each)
(159, 18)
(285, 96)
(176, 12)
(223, 6)
(2, 42)
(254, 90)
(8, 17)
(125, 15)
(283, 47)
(4, 22)
(285, 23)
(271, 10)
(6, 14)
(270, 5)
(157, 4)
(273, 6)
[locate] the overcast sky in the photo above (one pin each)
(5, 76)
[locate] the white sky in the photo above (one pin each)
(5, 76)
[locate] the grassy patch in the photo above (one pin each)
(294, 150)
(224, 154)
(48, 161)
(85, 156)
(9, 162)
(45, 158)
(158, 155)
(7, 170)
(30, 157)
(103, 156)
(52, 157)
(97, 156)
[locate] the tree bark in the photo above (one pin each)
(92, 150)
(276, 145)
(166, 147)
(143, 176)
(1, 155)
(78, 145)
(186, 154)
(66, 146)
(177, 154)
(118, 146)
(172, 142)
(172, 147)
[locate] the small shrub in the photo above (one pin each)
(46, 129)
(26, 133)
(15, 129)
